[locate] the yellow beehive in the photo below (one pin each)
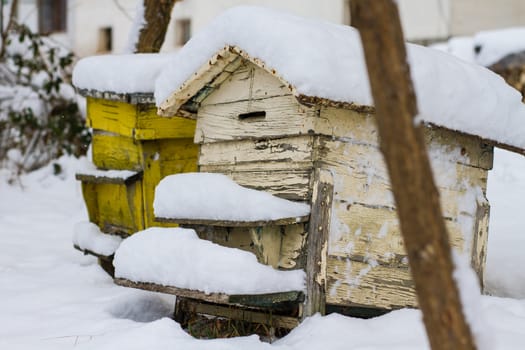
(128, 135)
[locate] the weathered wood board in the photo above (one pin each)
(374, 234)
(317, 248)
(354, 283)
(359, 128)
(114, 151)
(162, 158)
(115, 208)
(286, 183)
(283, 117)
(287, 149)
(139, 122)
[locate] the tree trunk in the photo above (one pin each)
(157, 15)
(416, 196)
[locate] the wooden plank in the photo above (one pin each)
(290, 183)
(297, 149)
(263, 301)
(114, 151)
(293, 247)
(136, 121)
(317, 244)
(268, 300)
(247, 82)
(120, 206)
(218, 298)
(90, 252)
(284, 117)
(361, 188)
(89, 193)
(150, 126)
(472, 150)
(347, 124)
(163, 158)
(360, 128)
(267, 241)
(352, 283)
(113, 116)
(366, 162)
(252, 316)
(480, 240)
(371, 233)
(226, 223)
(102, 179)
(282, 247)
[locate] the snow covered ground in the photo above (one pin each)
(52, 297)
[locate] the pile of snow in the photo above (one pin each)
(486, 47)
(177, 257)
(43, 277)
(209, 196)
(120, 73)
(493, 45)
(451, 92)
(470, 296)
(87, 236)
(505, 275)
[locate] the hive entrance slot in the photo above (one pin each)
(252, 116)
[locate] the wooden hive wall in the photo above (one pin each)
(270, 149)
(367, 264)
(132, 137)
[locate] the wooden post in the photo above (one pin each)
(416, 196)
(319, 226)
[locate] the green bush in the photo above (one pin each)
(39, 115)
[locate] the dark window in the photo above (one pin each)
(105, 39)
(52, 16)
(182, 31)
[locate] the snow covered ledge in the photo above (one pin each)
(177, 257)
(216, 198)
(88, 238)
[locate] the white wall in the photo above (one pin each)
(425, 19)
(471, 16)
(89, 16)
(202, 12)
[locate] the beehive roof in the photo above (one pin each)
(320, 61)
(108, 75)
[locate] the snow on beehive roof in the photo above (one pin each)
(125, 74)
(323, 60)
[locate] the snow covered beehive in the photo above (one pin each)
(283, 105)
(129, 137)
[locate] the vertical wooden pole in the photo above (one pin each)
(317, 246)
(416, 196)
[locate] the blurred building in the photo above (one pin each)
(101, 26)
